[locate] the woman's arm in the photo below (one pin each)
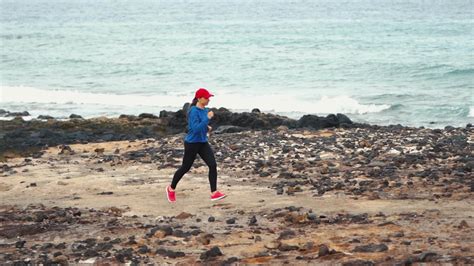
(194, 121)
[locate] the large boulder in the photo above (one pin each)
(313, 121)
(229, 129)
(147, 115)
(24, 113)
(343, 119)
(319, 122)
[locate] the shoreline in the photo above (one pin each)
(26, 138)
(6, 115)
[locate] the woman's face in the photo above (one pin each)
(203, 101)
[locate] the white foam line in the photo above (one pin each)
(266, 103)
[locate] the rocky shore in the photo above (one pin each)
(24, 138)
(318, 190)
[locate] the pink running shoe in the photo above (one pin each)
(171, 194)
(218, 195)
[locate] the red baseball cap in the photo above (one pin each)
(203, 93)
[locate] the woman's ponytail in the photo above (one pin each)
(194, 102)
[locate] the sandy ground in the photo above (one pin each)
(442, 226)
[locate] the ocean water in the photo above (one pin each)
(382, 62)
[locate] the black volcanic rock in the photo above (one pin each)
(24, 113)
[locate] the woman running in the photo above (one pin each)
(195, 143)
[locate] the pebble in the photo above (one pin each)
(211, 253)
(20, 244)
(371, 248)
(287, 247)
(184, 215)
(253, 220)
(272, 245)
(287, 234)
(323, 250)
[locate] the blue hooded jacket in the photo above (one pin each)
(197, 125)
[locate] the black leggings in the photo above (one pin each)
(190, 152)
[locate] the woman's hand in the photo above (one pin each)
(210, 114)
(209, 128)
